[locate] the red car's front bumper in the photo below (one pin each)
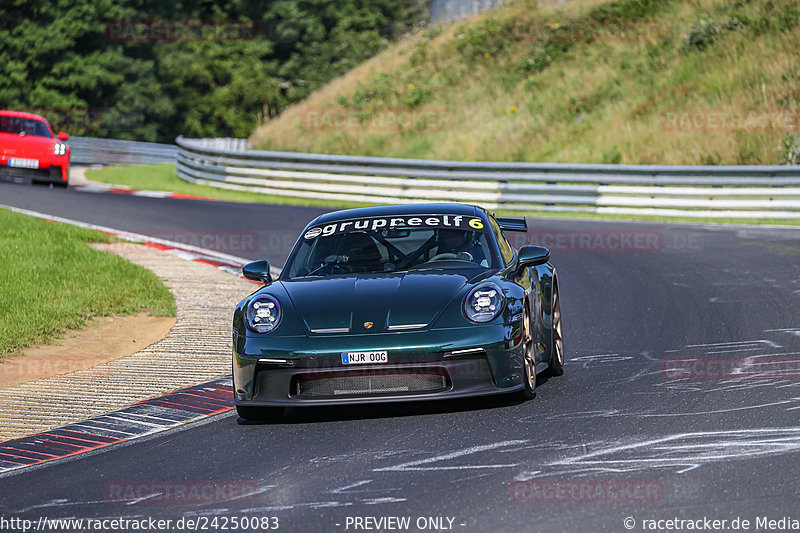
(32, 157)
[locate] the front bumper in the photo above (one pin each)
(51, 174)
(297, 371)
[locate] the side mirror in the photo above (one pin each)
(529, 256)
(257, 271)
(62, 136)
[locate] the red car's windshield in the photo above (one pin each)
(24, 126)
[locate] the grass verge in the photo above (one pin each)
(52, 281)
(163, 178)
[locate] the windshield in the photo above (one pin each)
(393, 244)
(24, 126)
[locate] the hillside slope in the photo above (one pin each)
(630, 81)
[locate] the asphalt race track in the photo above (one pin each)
(680, 399)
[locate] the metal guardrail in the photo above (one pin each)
(91, 151)
(224, 143)
(702, 191)
(449, 10)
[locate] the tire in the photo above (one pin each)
(258, 413)
(557, 338)
(56, 178)
(529, 376)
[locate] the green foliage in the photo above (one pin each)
(551, 39)
(790, 150)
(706, 32)
(702, 35)
(612, 156)
(541, 56)
(58, 58)
(489, 36)
(376, 92)
(627, 10)
(380, 94)
(773, 16)
(416, 96)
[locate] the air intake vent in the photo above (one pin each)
(370, 383)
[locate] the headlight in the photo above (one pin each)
(59, 148)
(263, 314)
(484, 303)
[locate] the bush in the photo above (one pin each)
(706, 32)
(790, 150)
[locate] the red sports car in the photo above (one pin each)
(29, 149)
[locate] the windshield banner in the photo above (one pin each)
(397, 222)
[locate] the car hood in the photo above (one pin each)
(374, 303)
(15, 145)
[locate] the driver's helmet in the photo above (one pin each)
(453, 240)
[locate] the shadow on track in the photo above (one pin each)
(315, 415)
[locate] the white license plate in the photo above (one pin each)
(364, 358)
(23, 163)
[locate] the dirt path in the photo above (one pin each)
(108, 338)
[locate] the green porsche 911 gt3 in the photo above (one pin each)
(397, 303)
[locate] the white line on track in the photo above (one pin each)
(415, 465)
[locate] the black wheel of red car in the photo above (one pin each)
(557, 343)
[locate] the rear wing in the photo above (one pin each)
(512, 224)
